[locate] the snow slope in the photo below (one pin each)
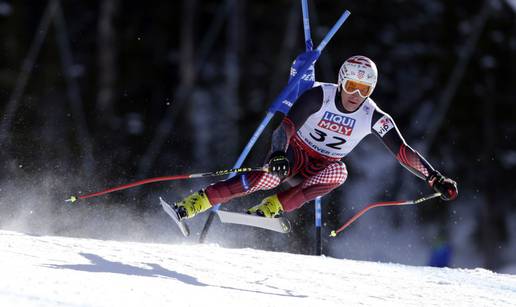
(50, 271)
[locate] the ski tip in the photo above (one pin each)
(72, 199)
(174, 216)
(162, 202)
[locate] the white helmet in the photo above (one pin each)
(362, 73)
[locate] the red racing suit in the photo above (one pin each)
(316, 135)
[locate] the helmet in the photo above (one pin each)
(358, 73)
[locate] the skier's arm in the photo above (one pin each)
(281, 137)
(383, 126)
(307, 104)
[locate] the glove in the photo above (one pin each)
(446, 186)
(279, 164)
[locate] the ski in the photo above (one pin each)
(279, 224)
(175, 217)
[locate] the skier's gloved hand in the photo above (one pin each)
(279, 164)
(446, 186)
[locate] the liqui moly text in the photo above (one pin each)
(337, 123)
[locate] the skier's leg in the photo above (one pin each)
(317, 178)
(244, 184)
(318, 185)
(224, 191)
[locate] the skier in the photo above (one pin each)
(324, 125)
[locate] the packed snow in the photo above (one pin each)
(61, 271)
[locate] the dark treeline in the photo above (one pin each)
(99, 93)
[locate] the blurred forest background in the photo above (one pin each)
(99, 93)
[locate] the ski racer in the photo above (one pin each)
(324, 125)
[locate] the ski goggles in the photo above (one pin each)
(351, 86)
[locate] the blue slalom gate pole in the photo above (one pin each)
(306, 25)
(333, 30)
(317, 201)
(318, 226)
(310, 58)
(281, 104)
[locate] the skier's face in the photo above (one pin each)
(351, 102)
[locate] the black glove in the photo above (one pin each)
(279, 164)
(446, 186)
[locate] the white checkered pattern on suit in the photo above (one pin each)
(335, 173)
(267, 182)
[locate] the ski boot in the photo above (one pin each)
(192, 204)
(269, 207)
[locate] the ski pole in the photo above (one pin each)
(73, 199)
(383, 204)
